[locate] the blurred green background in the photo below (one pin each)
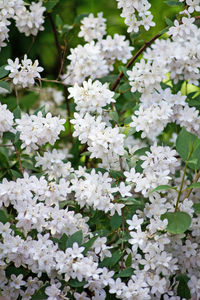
(43, 46)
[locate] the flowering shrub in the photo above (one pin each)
(100, 172)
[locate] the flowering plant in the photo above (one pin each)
(100, 166)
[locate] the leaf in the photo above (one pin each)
(130, 131)
(111, 261)
(9, 136)
(77, 237)
(5, 85)
(196, 207)
(17, 113)
(128, 261)
(123, 70)
(50, 5)
(75, 283)
(141, 151)
(40, 294)
(78, 19)
(16, 174)
(3, 72)
(4, 163)
(125, 273)
(188, 147)
(62, 242)
(116, 174)
(66, 28)
(42, 109)
(183, 290)
(59, 21)
(194, 186)
(4, 217)
(88, 245)
(115, 221)
(169, 22)
(114, 116)
(178, 222)
(174, 3)
(163, 187)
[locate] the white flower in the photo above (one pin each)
(24, 73)
(93, 28)
(30, 21)
(6, 119)
(92, 96)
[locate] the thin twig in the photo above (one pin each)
(53, 81)
(55, 37)
(19, 160)
(195, 180)
(146, 45)
(142, 49)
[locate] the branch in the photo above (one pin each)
(55, 37)
(195, 180)
(142, 49)
(19, 160)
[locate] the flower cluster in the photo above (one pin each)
(91, 97)
(36, 130)
(27, 21)
(24, 73)
(136, 14)
(93, 28)
(110, 207)
(96, 58)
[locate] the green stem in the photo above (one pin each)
(181, 187)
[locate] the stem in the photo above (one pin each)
(181, 187)
(55, 37)
(195, 180)
(19, 160)
(53, 81)
(142, 49)
(146, 45)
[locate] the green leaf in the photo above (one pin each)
(78, 19)
(75, 283)
(40, 294)
(163, 187)
(4, 163)
(42, 109)
(4, 217)
(59, 21)
(178, 222)
(130, 131)
(115, 221)
(111, 261)
(123, 70)
(11, 269)
(183, 290)
(77, 237)
(5, 85)
(134, 202)
(194, 186)
(141, 151)
(125, 273)
(16, 174)
(196, 207)
(114, 116)
(128, 261)
(50, 5)
(169, 22)
(116, 174)
(88, 245)
(188, 147)
(17, 113)
(9, 136)
(3, 72)
(62, 242)
(174, 3)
